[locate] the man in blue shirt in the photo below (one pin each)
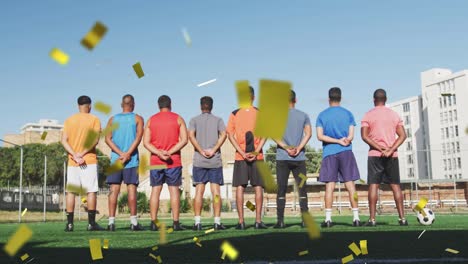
(335, 128)
(290, 157)
(124, 143)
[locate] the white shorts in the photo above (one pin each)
(84, 177)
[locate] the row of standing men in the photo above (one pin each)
(166, 133)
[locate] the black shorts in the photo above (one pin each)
(244, 172)
(383, 170)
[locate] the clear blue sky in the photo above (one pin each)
(356, 45)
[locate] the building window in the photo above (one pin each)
(453, 148)
(456, 131)
(450, 176)
(446, 133)
(443, 149)
(458, 146)
(406, 107)
(442, 133)
(410, 172)
(454, 99)
(407, 120)
(408, 146)
(449, 163)
(455, 115)
(408, 133)
(450, 116)
(459, 162)
(445, 101)
(459, 176)
(440, 102)
(445, 117)
(410, 159)
(445, 165)
(451, 131)
(449, 100)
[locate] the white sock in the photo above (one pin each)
(217, 220)
(134, 220)
(328, 213)
(197, 219)
(111, 220)
(355, 214)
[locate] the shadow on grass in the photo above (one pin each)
(270, 247)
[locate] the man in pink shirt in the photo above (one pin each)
(379, 128)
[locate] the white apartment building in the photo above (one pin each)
(444, 94)
(412, 157)
(42, 125)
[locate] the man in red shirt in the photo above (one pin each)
(248, 150)
(165, 135)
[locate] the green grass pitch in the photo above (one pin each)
(388, 242)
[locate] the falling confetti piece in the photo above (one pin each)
(157, 258)
(216, 199)
(347, 259)
(420, 206)
(76, 189)
(117, 166)
(312, 227)
(154, 248)
(453, 251)
(302, 253)
(94, 36)
(109, 129)
(24, 257)
(59, 56)
(187, 38)
(95, 248)
(91, 138)
(206, 83)
(265, 173)
(144, 164)
(355, 249)
(362, 181)
(363, 245)
(44, 135)
(250, 205)
(106, 244)
(162, 233)
(157, 167)
(355, 196)
(274, 104)
(17, 240)
(229, 250)
(304, 179)
(24, 212)
(102, 107)
(170, 230)
(223, 255)
(138, 70)
(243, 94)
(197, 241)
(420, 235)
(83, 200)
(209, 231)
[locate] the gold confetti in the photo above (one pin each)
(76, 189)
(355, 249)
(24, 212)
(453, 251)
(250, 205)
(312, 227)
(255, 153)
(157, 258)
(138, 70)
(187, 38)
(420, 206)
(106, 244)
(209, 231)
(223, 255)
(302, 253)
(363, 245)
(197, 241)
(103, 107)
(265, 173)
(144, 164)
(347, 259)
(17, 240)
(274, 104)
(355, 196)
(44, 135)
(59, 56)
(113, 168)
(91, 138)
(229, 250)
(83, 200)
(216, 199)
(95, 248)
(154, 248)
(114, 126)
(94, 36)
(24, 257)
(157, 167)
(303, 180)
(243, 94)
(162, 233)
(362, 181)
(170, 230)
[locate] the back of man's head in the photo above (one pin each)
(164, 101)
(206, 103)
(252, 92)
(292, 97)
(380, 96)
(128, 99)
(334, 94)
(84, 100)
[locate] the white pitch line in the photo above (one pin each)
(421, 233)
(207, 82)
(187, 38)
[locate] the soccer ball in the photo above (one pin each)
(428, 219)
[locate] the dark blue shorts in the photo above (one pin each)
(205, 175)
(172, 177)
(340, 167)
(128, 176)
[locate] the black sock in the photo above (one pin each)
(70, 217)
(92, 217)
(176, 222)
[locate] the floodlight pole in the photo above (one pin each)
(21, 176)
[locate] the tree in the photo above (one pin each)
(313, 158)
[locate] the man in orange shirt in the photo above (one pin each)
(248, 150)
(82, 160)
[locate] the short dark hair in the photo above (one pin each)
(334, 94)
(252, 91)
(292, 97)
(83, 100)
(130, 97)
(164, 101)
(380, 96)
(206, 103)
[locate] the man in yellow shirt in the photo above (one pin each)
(82, 161)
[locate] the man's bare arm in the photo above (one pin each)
(109, 141)
(182, 138)
(234, 143)
(195, 143)
(365, 137)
